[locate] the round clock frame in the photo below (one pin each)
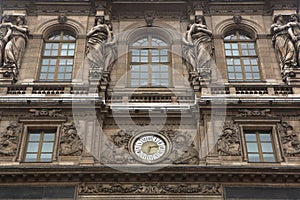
(150, 147)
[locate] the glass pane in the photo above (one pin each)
(34, 137)
(50, 76)
(238, 68)
(54, 53)
(256, 76)
(254, 61)
(71, 53)
(144, 75)
(252, 52)
(164, 59)
(155, 68)
(47, 53)
(255, 69)
(239, 76)
(135, 52)
(46, 157)
(229, 61)
(164, 52)
(235, 52)
(61, 69)
(60, 76)
(252, 147)
(248, 76)
(253, 158)
(227, 46)
(231, 76)
(245, 52)
(134, 75)
(265, 137)
(69, 69)
(247, 69)
(135, 59)
(144, 52)
(47, 147)
(250, 137)
(32, 147)
(155, 59)
(267, 147)
(49, 137)
(228, 53)
(230, 69)
(237, 61)
(30, 157)
(43, 76)
(246, 61)
(164, 68)
(268, 157)
(164, 75)
(68, 76)
(234, 46)
(144, 68)
(155, 52)
(144, 59)
(51, 69)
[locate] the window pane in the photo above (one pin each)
(30, 157)
(46, 157)
(252, 147)
(164, 59)
(49, 137)
(253, 158)
(265, 137)
(33, 147)
(266, 147)
(47, 147)
(250, 137)
(269, 158)
(34, 137)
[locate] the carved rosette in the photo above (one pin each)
(9, 139)
(229, 141)
(150, 188)
(289, 139)
(70, 142)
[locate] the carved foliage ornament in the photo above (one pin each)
(150, 188)
(70, 142)
(229, 141)
(46, 113)
(289, 139)
(9, 139)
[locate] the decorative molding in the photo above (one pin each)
(70, 142)
(237, 19)
(150, 188)
(254, 113)
(46, 113)
(9, 139)
(229, 141)
(290, 140)
(62, 19)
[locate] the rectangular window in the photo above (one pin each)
(259, 146)
(40, 146)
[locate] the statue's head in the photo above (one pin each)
(199, 19)
(99, 20)
(294, 18)
(278, 17)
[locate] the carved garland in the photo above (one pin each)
(150, 188)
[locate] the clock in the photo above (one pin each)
(150, 147)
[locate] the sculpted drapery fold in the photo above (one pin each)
(13, 41)
(101, 49)
(198, 48)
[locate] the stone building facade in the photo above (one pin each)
(127, 99)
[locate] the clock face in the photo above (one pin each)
(149, 148)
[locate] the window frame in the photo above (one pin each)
(57, 57)
(41, 127)
(241, 57)
(274, 137)
(149, 48)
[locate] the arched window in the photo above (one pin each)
(58, 57)
(149, 62)
(241, 57)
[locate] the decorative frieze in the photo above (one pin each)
(46, 113)
(150, 188)
(254, 113)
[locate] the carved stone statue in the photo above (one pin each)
(198, 48)
(294, 32)
(229, 141)
(5, 33)
(15, 47)
(283, 46)
(70, 142)
(101, 49)
(9, 140)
